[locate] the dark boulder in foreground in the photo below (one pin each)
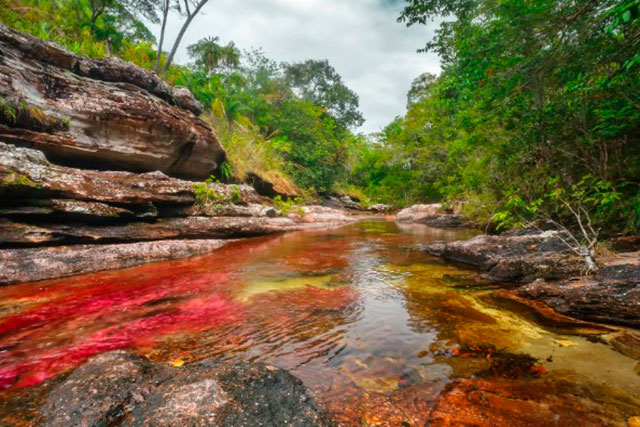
(433, 215)
(122, 389)
(519, 257)
(612, 296)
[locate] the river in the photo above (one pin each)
(376, 329)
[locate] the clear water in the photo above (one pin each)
(375, 328)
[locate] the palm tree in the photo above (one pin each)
(209, 55)
(230, 56)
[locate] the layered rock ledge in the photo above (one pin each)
(57, 221)
(549, 271)
(518, 257)
(101, 114)
(120, 389)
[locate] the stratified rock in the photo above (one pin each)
(34, 264)
(184, 98)
(602, 298)
(72, 209)
(121, 389)
(249, 210)
(530, 403)
(516, 257)
(26, 173)
(433, 215)
(13, 233)
(543, 315)
(106, 114)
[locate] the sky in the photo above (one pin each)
(375, 55)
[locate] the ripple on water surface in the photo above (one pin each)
(379, 332)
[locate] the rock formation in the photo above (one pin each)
(94, 154)
(551, 272)
(519, 257)
(433, 215)
(122, 389)
(104, 114)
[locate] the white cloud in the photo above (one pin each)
(375, 55)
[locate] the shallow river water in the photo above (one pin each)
(377, 330)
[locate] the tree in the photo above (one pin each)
(319, 83)
(165, 6)
(111, 20)
(210, 56)
(420, 88)
(191, 9)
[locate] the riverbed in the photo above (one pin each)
(377, 330)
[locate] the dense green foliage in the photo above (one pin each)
(535, 99)
(536, 111)
(277, 120)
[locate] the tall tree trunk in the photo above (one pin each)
(165, 14)
(183, 30)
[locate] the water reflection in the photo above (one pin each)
(369, 323)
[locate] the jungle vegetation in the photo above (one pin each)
(536, 112)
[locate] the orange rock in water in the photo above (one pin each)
(528, 403)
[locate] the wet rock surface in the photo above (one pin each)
(529, 402)
(24, 265)
(122, 389)
(105, 114)
(603, 298)
(433, 215)
(514, 257)
(552, 274)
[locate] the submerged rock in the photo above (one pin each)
(433, 215)
(549, 402)
(513, 257)
(104, 113)
(122, 389)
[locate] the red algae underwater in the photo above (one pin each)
(374, 328)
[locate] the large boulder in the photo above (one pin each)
(517, 257)
(122, 389)
(104, 114)
(433, 215)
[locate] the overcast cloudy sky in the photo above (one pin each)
(375, 55)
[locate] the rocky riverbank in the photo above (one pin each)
(546, 270)
(95, 162)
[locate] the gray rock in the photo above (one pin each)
(433, 215)
(513, 258)
(121, 389)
